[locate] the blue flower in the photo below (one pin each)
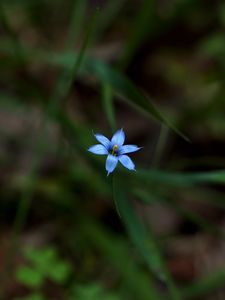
(115, 151)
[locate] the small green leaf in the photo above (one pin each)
(59, 272)
(29, 277)
(43, 259)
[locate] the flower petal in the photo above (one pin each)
(118, 138)
(98, 149)
(103, 140)
(111, 163)
(128, 149)
(127, 162)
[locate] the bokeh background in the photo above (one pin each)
(71, 68)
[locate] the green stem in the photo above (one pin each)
(114, 189)
(108, 105)
(160, 146)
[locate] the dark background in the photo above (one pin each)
(71, 68)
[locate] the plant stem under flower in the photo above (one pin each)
(114, 190)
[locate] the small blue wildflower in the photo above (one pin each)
(115, 149)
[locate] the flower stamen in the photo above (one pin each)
(114, 149)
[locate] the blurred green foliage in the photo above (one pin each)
(93, 291)
(66, 69)
(44, 264)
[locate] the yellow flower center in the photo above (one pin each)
(114, 149)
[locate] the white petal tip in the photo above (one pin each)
(133, 169)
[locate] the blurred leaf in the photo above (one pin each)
(137, 282)
(119, 83)
(59, 272)
(92, 291)
(193, 217)
(109, 12)
(53, 106)
(140, 237)
(143, 25)
(182, 179)
(124, 87)
(107, 96)
(69, 74)
(204, 286)
(221, 13)
(30, 277)
(76, 22)
(143, 240)
(41, 258)
(213, 45)
(46, 262)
